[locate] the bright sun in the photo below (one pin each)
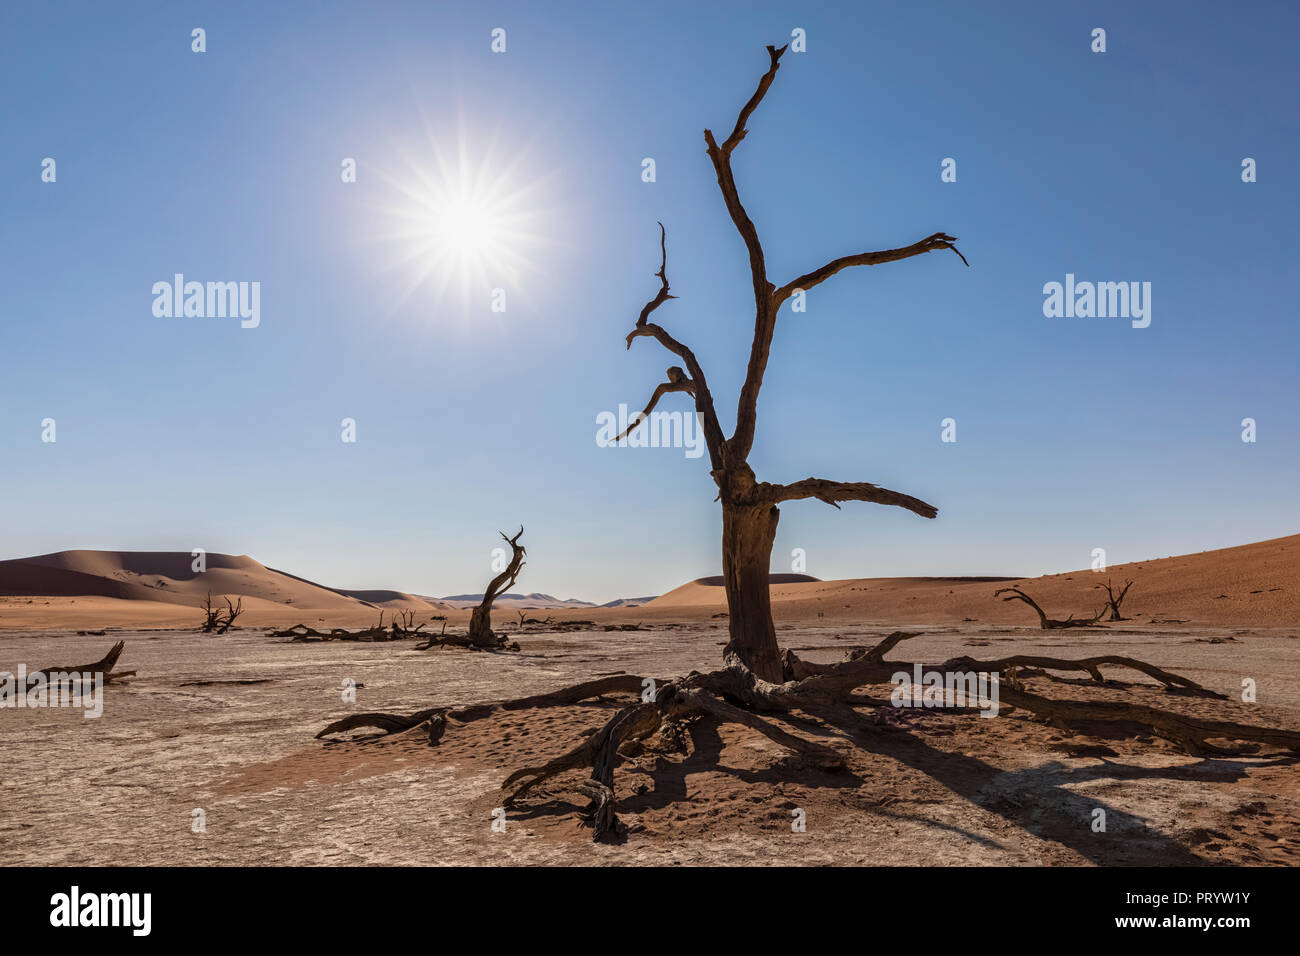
(463, 221)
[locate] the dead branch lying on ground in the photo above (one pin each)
(401, 628)
(735, 695)
(523, 620)
(1045, 622)
(102, 666)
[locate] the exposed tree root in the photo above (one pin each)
(735, 695)
(493, 642)
(1090, 664)
(396, 723)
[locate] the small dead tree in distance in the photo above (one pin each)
(758, 687)
(214, 619)
(1045, 622)
(1113, 600)
(481, 636)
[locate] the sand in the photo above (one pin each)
(924, 787)
(226, 724)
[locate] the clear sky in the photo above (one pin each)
(1072, 433)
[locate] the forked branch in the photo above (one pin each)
(1113, 600)
(767, 298)
(694, 374)
(677, 382)
(721, 158)
(663, 294)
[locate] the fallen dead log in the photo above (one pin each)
(396, 632)
(102, 666)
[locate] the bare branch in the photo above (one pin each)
(663, 295)
(833, 492)
(932, 243)
(699, 387)
(738, 131)
(768, 299)
(721, 158)
(506, 579)
(677, 382)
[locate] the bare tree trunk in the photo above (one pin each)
(748, 533)
(480, 625)
(480, 620)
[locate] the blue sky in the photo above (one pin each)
(175, 433)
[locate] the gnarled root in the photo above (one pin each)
(486, 641)
(397, 723)
(735, 695)
(602, 750)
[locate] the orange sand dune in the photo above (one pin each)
(161, 589)
(1253, 584)
(1250, 585)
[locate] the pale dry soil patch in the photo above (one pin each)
(923, 787)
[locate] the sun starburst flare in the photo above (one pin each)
(463, 221)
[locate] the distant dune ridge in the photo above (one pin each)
(534, 602)
(1253, 584)
(168, 578)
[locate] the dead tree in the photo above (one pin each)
(524, 620)
(217, 620)
(232, 611)
(480, 620)
(1045, 622)
(749, 507)
(481, 636)
(779, 695)
(211, 615)
(1113, 600)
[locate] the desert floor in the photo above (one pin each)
(922, 786)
